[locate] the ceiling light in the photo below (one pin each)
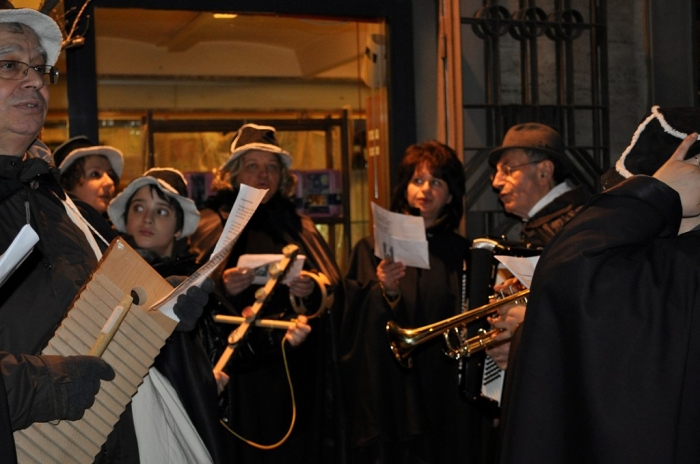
(224, 16)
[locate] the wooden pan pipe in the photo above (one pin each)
(135, 344)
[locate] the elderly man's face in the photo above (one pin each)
(23, 102)
(521, 183)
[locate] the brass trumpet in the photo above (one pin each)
(404, 341)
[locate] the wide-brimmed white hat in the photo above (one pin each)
(172, 183)
(255, 137)
(44, 26)
(78, 147)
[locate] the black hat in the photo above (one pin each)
(657, 137)
(538, 137)
(78, 147)
(255, 137)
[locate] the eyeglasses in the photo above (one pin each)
(508, 170)
(17, 70)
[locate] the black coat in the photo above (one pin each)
(184, 361)
(257, 400)
(607, 367)
(399, 415)
(539, 230)
(34, 300)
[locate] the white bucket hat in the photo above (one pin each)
(78, 147)
(44, 26)
(169, 181)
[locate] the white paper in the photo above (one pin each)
(521, 267)
(17, 252)
(260, 264)
(401, 237)
(245, 205)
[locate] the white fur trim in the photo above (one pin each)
(620, 165)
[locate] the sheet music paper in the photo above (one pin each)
(522, 268)
(246, 203)
(400, 236)
(260, 264)
(492, 383)
(17, 252)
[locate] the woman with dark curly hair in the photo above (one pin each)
(398, 415)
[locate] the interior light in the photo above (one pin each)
(224, 16)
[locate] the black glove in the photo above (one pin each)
(85, 373)
(190, 305)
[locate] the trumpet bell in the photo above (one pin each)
(402, 342)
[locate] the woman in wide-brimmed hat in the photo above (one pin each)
(89, 172)
(257, 402)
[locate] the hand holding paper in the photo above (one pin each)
(522, 268)
(389, 272)
(401, 237)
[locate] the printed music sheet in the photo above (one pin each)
(246, 203)
(260, 265)
(521, 267)
(401, 237)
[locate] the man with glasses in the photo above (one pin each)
(38, 292)
(530, 177)
(607, 371)
(34, 298)
(531, 181)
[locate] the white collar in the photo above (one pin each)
(547, 199)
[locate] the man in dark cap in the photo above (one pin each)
(531, 170)
(606, 371)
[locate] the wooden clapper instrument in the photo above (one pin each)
(122, 275)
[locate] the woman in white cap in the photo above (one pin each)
(257, 400)
(89, 173)
(156, 216)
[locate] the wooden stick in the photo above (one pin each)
(277, 272)
(111, 326)
(269, 323)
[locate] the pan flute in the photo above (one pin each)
(131, 352)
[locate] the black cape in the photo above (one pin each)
(607, 368)
(184, 362)
(257, 400)
(398, 415)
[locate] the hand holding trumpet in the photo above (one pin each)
(510, 316)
